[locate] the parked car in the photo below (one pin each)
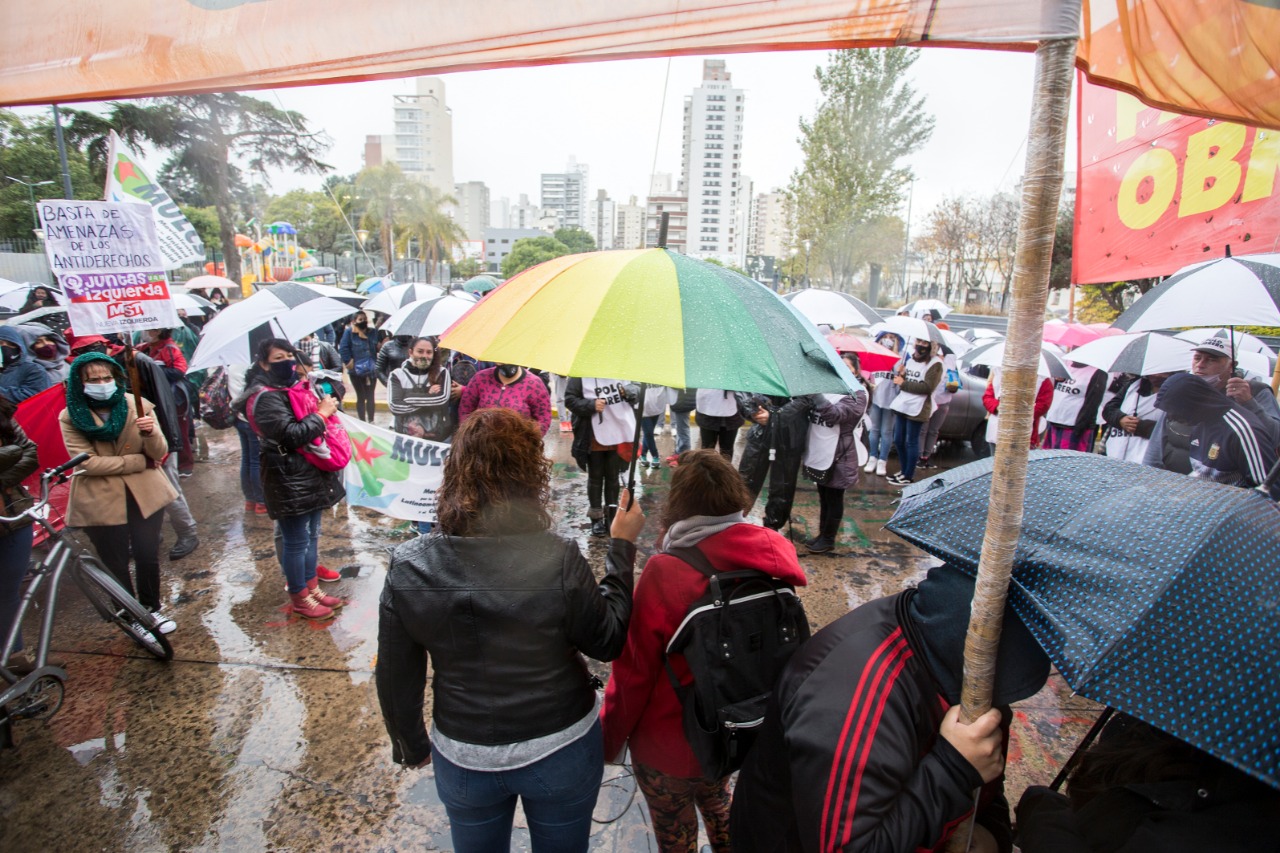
(967, 418)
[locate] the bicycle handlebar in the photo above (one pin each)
(59, 473)
(66, 466)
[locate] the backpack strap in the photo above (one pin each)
(693, 555)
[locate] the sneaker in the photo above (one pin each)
(566, 426)
(672, 460)
(164, 624)
(185, 474)
(327, 575)
(893, 478)
(260, 509)
(871, 464)
(249, 506)
(598, 528)
(882, 468)
(899, 480)
(925, 462)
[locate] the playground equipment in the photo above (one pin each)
(273, 254)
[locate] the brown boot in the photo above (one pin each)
(307, 607)
(330, 601)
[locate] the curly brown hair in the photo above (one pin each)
(497, 479)
(704, 483)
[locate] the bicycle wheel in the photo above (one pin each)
(116, 605)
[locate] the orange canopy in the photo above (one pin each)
(1217, 58)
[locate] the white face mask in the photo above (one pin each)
(100, 390)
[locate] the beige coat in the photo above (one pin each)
(98, 487)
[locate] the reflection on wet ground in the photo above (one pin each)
(264, 732)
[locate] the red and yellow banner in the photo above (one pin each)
(1158, 191)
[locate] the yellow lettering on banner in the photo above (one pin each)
(1211, 175)
(1127, 109)
(1161, 167)
(1264, 162)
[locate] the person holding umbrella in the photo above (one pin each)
(774, 447)
(1131, 415)
(295, 491)
(904, 776)
(831, 456)
(883, 392)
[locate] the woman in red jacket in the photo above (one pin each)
(705, 507)
(991, 402)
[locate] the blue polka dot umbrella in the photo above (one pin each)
(1152, 592)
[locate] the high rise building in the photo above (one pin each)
(566, 193)
(524, 214)
(422, 141)
(711, 167)
(602, 220)
(676, 206)
(473, 208)
(768, 233)
(628, 228)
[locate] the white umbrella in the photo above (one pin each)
(288, 310)
(1260, 365)
(992, 354)
(392, 299)
(431, 317)
(958, 345)
(1140, 354)
(909, 328)
(191, 303)
(980, 335)
(1241, 291)
(924, 308)
(1240, 341)
(13, 294)
(209, 282)
(832, 307)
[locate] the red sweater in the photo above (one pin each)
(640, 705)
(1044, 399)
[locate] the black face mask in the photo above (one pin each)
(508, 371)
(11, 355)
(921, 354)
(283, 371)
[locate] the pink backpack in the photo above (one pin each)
(329, 452)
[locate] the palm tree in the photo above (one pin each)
(428, 221)
(205, 134)
(387, 196)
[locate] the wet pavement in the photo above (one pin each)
(264, 733)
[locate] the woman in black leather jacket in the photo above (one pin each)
(295, 491)
(505, 609)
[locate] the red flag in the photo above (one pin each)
(38, 417)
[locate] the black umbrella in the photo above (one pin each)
(1152, 592)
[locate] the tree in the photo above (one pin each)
(576, 239)
(467, 268)
(869, 120)
(427, 221)
(386, 194)
(28, 152)
(204, 220)
(208, 136)
(531, 251)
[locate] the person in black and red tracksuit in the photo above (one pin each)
(861, 747)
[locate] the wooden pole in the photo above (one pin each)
(135, 378)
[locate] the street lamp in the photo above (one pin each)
(806, 264)
(792, 283)
(31, 191)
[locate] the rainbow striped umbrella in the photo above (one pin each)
(651, 316)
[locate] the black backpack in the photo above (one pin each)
(736, 640)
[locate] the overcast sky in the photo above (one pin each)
(509, 126)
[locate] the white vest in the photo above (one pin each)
(907, 403)
(717, 403)
(1069, 394)
(1121, 445)
(617, 423)
(820, 450)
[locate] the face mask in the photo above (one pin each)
(100, 391)
(282, 371)
(45, 351)
(362, 324)
(508, 371)
(11, 355)
(922, 354)
(421, 363)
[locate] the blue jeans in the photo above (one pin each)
(301, 546)
(15, 554)
(881, 437)
(250, 474)
(558, 793)
(681, 421)
(648, 444)
(906, 437)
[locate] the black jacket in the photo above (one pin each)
(895, 786)
(391, 355)
(584, 411)
(504, 620)
(157, 389)
(291, 485)
(1112, 411)
(18, 461)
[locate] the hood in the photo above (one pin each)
(29, 335)
(939, 612)
(14, 335)
(1191, 400)
(749, 546)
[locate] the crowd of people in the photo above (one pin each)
(503, 610)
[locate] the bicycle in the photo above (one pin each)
(39, 693)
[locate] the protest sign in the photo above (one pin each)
(127, 181)
(398, 475)
(109, 265)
